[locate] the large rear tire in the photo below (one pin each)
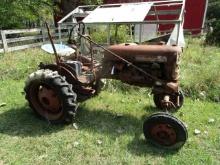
(50, 96)
(165, 131)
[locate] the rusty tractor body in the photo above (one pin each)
(154, 66)
(54, 91)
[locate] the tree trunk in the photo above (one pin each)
(64, 7)
(69, 5)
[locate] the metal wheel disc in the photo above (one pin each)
(49, 99)
(164, 134)
(165, 130)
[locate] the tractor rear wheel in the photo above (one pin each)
(50, 96)
(175, 101)
(165, 131)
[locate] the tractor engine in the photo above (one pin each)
(160, 61)
(130, 75)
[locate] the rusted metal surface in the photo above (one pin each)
(46, 101)
(141, 65)
(52, 43)
(49, 99)
(164, 134)
(81, 85)
(124, 60)
(155, 53)
(161, 62)
(168, 101)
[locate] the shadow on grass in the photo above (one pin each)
(110, 123)
(23, 122)
(105, 122)
(139, 146)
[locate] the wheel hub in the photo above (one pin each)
(48, 98)
(164, 134)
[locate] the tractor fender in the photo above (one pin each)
(64, 70)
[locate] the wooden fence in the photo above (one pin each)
(12, 40)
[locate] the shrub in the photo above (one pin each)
(213, 37)
(100, 33)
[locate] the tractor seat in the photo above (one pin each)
(142, 52)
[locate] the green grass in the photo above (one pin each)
(24, 139)
(200, 75)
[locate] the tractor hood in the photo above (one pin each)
(143, 53)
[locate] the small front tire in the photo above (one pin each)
(165, 131)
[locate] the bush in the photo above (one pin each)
(213, 16)
(213, 36)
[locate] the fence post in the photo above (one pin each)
(4, 41)
(43, 34)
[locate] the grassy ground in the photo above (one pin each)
(200, 75)
(103, 137)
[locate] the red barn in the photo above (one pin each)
(194, 16)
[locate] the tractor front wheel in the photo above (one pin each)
(50, 96)
(165, 131)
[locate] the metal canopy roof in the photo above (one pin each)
(138, 14)
(132, 12)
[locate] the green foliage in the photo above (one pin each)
(200, 76)
(213, 16)
(16, 66)
(118, 34)
(14, 13)
(213, 37)
(213, 9)
(92, 2)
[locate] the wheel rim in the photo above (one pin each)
(49, 99)
(46, 101)
(163, 134)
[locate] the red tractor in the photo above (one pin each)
(55, 90)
